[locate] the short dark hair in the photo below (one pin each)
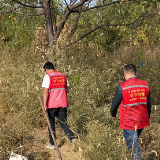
(130, 68)
(48, 65)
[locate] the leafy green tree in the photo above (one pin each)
(107, 15)
(135, 23)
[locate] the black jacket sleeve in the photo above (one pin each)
(116, 101)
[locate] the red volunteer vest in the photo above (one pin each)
(133, 107)
(57, 96)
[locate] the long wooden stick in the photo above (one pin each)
(49, 125)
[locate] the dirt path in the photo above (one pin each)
(35, 149)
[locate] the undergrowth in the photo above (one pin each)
(93, 76)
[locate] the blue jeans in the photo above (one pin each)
(61, 114)
(132, 142)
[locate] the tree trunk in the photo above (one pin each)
(61, 26)
(48, 16)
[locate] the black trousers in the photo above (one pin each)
(61, 114)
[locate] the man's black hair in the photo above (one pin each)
(48, 65)
(130, 68)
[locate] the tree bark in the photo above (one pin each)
(61, 26)
(48, 16)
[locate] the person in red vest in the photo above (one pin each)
(55, 86)
(133, 98)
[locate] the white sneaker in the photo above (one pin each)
(73, 143)
(49, 146)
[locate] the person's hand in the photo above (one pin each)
(45, 107)
(114, 117)
(46, 110)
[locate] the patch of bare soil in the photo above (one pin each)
(36, 149)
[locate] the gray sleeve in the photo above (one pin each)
(116, 101)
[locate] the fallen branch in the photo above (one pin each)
(49, 125)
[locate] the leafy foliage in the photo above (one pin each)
(122, 23)
(17, 30)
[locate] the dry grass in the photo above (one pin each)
(20, 78)
(93, 77)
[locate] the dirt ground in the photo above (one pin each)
(36, 148)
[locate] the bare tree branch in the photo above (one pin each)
(65, 18)
(76, 5)
(75, 22)
(72, 8)
(108, 4)
(96, 27)
(26, 5)
(67, 4)
(61, 26)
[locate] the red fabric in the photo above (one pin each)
(133, 108)
(57, 96)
